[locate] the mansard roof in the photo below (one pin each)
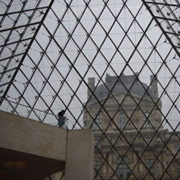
(122, 85)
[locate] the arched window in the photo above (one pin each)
(123, 170)
(122, 121)
(97, 121)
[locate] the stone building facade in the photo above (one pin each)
(131, 142)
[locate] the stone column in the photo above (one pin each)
(80, 155)
(154, 85)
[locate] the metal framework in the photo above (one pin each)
(20, 22)
(166, 15)
(49, 49)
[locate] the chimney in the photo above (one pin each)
(154, 85)
(91, 86)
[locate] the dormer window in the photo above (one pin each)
(147, 140)
(147, 120)
(122, 121)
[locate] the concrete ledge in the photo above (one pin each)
(30, 149)
(33, 137)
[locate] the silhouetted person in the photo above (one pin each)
(61, 119)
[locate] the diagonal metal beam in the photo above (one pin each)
(165, 19)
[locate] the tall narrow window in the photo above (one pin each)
(122, 121)
(178, 169)
(123, 170)
(149, 165)
(97, 121)
(177, 148)
(97, 165)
